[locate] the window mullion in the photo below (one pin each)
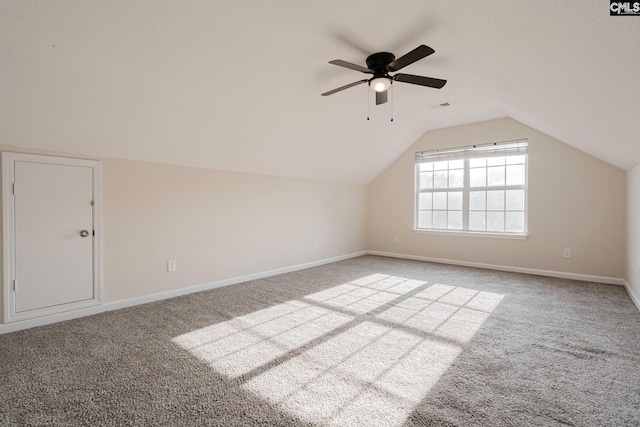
(465, 196)
(416, 197)
(504, 211)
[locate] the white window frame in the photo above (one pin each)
(498, 149)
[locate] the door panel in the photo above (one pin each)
(53, 263)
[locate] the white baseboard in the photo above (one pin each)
(115, 305)
(632, 295)
(225, 282)
(533, 271)
(5, 328)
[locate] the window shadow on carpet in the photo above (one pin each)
(359, 353)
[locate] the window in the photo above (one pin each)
(479, 189)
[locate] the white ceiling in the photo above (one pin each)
(236, 85)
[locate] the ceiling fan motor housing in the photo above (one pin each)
(379, 63)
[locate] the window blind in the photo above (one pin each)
(497, 149)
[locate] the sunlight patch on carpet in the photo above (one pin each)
(245, 343)
(361, 353)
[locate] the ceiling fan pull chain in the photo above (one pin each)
(368, 102)
(391, 103)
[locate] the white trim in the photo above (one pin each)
(115, 305)
(473, 234)
(46, 320)
(632, 295)
(7, 234)
(8, 228)
(533, 271)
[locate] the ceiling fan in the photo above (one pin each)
(380, 64)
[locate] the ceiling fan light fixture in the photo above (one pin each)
(380, 84)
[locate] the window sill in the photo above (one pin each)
(473, 234)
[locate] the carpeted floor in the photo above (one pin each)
(370, 341)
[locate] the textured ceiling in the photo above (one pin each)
(236, 85)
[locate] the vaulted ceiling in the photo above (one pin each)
(235, 85)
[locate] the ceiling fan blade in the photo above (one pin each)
(381, 97)
(351, 66)
(331, 92)
(416, 54)
(420, 80)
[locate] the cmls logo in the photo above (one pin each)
(621, 8)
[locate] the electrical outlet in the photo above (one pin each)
(172, 265)
(566, 253)
(315, 244)
(396, 240)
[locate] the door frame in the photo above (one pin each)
(8, 233)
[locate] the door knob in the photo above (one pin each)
(84, 233)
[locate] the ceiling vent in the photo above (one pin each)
(444, 104)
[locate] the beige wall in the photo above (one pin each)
(218, 225)
(215, 224)
(633, 231)
(575, 201)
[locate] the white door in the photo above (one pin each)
(53, 259)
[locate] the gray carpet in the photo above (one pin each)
(364, 342)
